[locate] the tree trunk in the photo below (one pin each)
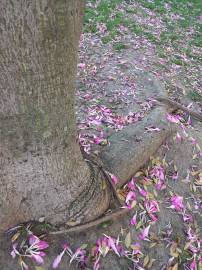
(43, 174)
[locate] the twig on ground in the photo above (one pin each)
(179, 106)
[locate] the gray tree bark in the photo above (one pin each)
(43, 173)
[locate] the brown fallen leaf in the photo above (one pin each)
(175, 267)
(128, 240)
(146, 261)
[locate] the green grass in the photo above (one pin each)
(131, 10)
(177, 61)
(167, 36)
(195, 96)
(157, 5)
(161, 52)
(150, 37)
(137, 29)
(118, 46)
(189, 11)
(105, 13)
(107, 39)
(102, 14)
(173, 35)
(179, 18)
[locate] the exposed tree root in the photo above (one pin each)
(98, 163)
(177, 105)
(79, 228)
(113, 216)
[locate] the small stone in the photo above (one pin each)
(41, 219)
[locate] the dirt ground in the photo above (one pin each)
(118, 82)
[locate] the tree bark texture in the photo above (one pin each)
(42, 173)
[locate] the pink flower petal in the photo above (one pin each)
(191, 235)
(81, 65)
(175, 176)
(42, 254)
(14, 252)
(173, 118)
(178, 138)
(79, 255)
(187, 218)
(131, 184)
(24, 266)
(130, 196)
(193, 265)
(96, 265)
(158, 172)
(143, 192)
(113, 245)
(58, 259)
(144, 233)
(42, 245)
(33, 239)
(177, 202)
(193, 140)
(134, 220)
(152, 208)
(136, 248)
(37, 258)
(114, 179)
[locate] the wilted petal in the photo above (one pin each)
(14, 252)
(96, 122)
(33, 239)
(136, 248)
(114, 179)
(191, 236)
(112, 245)
(130, 196)
(79, 255)
(143, 192)
(103, 246)
(58, 259)
(42, 254)
(144, 233)
(158, 172)
(24, 266)
(175, 176)
(151, 206)
(173, 118)
(153, 217)
(96, 265)
(134, 220)
(193, 140)
(81, 65)
(177, 202)
(187, 217)
(37, 258)
(193, 265)
(178, 137)
(160, 185)
(98, 140)
(131, 184)
(193, 249)
(189, 121)
(42, 245)
(103, 250)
